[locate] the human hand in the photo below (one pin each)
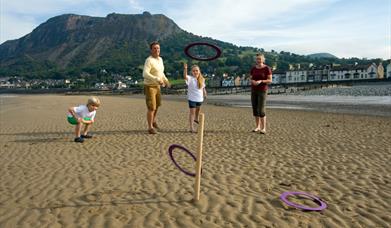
(168, 84)
(87, 121)
(184, 65)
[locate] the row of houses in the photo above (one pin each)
(295, 74)
(326, 73)
(19, 82)
(333, 73)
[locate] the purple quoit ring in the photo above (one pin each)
(214, 47)
(171, 149)
(317, 200)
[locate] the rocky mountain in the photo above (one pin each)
(71, 44)
(67, 38)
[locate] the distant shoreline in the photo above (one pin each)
(371, 99)
(326, 104)
(357, 88)
(342, 104)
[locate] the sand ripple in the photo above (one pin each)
(124, 178)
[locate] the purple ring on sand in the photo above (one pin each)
(217, 50)
(317, 200)
(171, 149)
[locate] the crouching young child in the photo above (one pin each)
(83, 115)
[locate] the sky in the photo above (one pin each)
(344, 28)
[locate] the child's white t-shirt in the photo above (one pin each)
(193, 92)
(82, 112)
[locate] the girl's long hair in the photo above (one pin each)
(200, 78)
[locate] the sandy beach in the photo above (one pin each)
(123, 176)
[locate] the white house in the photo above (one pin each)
(388, 70)
(278, 77)
(372, 71)
(339, 73)
(356, 72)
(293, 76)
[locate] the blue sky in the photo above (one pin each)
(345, 28)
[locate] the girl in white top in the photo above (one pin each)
(196, 93)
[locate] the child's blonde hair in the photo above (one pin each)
(93, 101)
(200, 78)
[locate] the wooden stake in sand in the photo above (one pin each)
(197, 184)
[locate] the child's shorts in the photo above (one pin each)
(72, 120)
(194, 104)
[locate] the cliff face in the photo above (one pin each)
(69, 39)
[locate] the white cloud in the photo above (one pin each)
(13, 27)
(19, 18)
(136, 5)
(211, 17)
(342, 27)
(39, 7)
(338, 47)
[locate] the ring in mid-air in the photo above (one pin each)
(216, 49)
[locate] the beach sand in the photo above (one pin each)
(123, 176)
